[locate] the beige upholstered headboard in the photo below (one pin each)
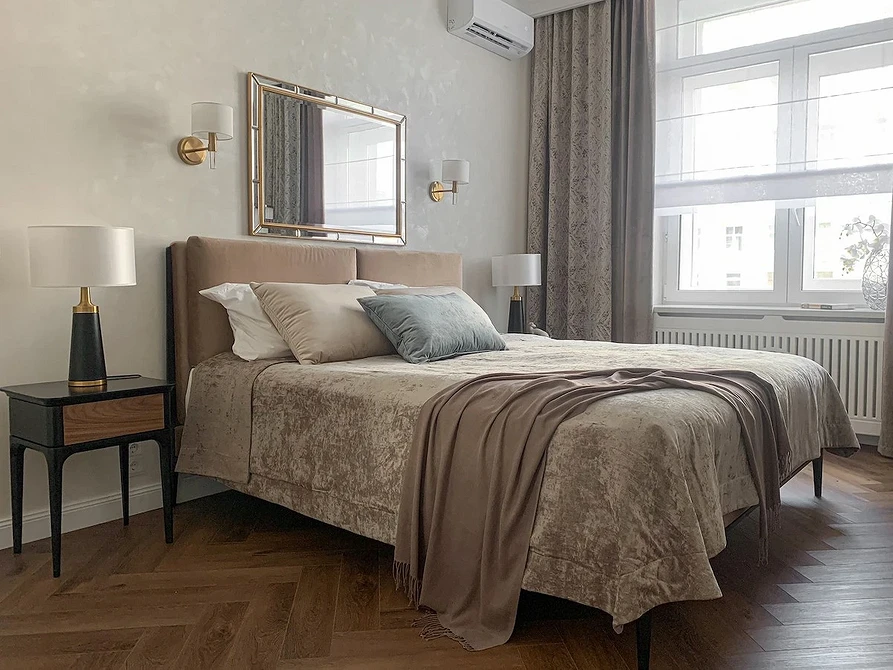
(198, 328)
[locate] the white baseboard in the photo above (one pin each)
(93, 511)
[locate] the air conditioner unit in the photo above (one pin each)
(492, 24)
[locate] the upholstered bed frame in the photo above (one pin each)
(198, 328)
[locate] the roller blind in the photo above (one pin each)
(785, 100)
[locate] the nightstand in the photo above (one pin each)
(59, 421)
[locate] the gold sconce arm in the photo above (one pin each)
(436, 190)
(193, 151)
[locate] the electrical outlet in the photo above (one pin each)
(136, 459)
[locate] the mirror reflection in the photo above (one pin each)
(325, 168)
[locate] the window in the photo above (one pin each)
(774, 134)
(734, 237)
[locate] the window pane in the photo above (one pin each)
(728, 248)
(733, 125)
(850, 121)
(827, 265)
(787, 19)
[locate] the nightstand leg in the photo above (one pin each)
(165, 447)
(16, 480)
(55, 461)
(124, 461)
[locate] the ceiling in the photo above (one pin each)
(542, 7)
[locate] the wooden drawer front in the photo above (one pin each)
(111, 418)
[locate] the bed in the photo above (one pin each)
(330, 441)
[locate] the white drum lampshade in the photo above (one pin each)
(83, 256)
(517, 270)
(456, 171)
(211, 122)
(212, 117)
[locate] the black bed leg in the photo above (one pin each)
(643, 641)
(817, 476)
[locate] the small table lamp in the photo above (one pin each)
(517, 270)
(83, 256)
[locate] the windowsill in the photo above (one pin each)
(861, 314)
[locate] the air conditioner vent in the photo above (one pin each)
(490, 35)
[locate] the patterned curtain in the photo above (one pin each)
(885, 444)
(590, 208)
(282, 157)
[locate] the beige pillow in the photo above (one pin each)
(322, 323)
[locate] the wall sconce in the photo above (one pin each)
(211, 121)
(451, 170)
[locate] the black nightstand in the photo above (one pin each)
(58, 421)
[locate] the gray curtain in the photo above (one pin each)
(885, 445)
(313, 164)
(591, 181)
(282, 157)
(632, 169)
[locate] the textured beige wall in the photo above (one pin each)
(96, 93)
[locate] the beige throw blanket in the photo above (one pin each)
(473, 481)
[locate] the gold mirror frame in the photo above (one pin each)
(260, 84)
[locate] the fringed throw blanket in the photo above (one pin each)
(472, 483)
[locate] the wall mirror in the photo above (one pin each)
(323, 167)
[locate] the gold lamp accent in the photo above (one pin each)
(211, 121)
(455, 171)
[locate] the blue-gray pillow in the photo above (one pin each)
(425, 328)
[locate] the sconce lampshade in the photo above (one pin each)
(81, 256)
(455, 170)
(517, 270)
(212, 117)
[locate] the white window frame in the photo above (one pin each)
(793, 57)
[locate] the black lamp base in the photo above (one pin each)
(86, 360)
(516, 315)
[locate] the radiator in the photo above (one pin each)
(851, 350)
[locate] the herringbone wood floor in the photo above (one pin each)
(248, 584)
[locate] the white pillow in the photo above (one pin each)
(374, 285)
(254, 336)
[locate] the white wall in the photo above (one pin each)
(95, 95)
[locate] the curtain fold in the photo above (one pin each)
(591, 179)
(633, 131)
(313, 166)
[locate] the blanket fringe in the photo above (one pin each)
(411, 586)
(433, 629)
(429, 622)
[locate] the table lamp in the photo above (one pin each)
(517, 270)
(83, 256)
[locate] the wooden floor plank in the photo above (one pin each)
(212, 637)
(877, 657)
(312, 619)
(811, 593)
(839, 610)
(157, 648)
(259, 640)
(81, 642)
(358, 602)
(823, 635)
(846, 573)
(546, 657)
